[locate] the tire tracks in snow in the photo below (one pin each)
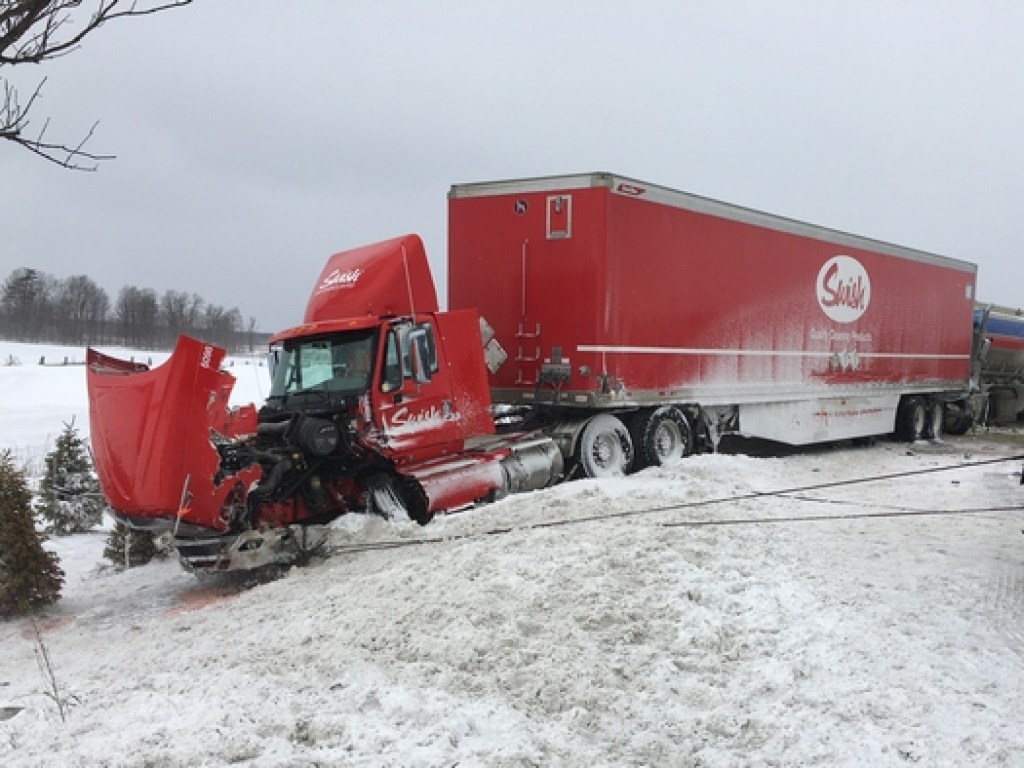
(1005, 600)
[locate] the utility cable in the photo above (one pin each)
(885, 512)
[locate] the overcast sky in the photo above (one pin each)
(255, 138)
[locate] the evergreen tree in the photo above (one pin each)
(70, 499)
(141, 546)
(30, 576)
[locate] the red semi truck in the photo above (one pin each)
(597, 325)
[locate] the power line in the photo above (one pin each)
(887, 512)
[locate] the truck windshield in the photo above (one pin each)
(328, 365)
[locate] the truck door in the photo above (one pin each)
(414, 401)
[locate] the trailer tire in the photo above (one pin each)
(936, 417)
(605, 448)
(911, 420)
(661, 437)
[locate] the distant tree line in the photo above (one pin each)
(38, 307)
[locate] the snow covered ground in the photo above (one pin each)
(686, 617)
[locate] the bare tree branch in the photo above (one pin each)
(14, 120)
(33, 31)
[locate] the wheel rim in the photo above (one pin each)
(606, 452)
(605, 448)
(668, 442)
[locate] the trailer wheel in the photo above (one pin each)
(936, 417)
(911, 420)
(605, 448)
(661, 437)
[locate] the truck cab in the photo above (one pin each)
(379, 403)
(393, 383)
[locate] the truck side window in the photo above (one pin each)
(410, 353)
(429, 348)
(423, 353)
(392, 379)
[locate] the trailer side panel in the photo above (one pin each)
(608, 292)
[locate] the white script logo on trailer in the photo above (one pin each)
(844, 289)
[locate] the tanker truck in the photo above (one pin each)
(596, 325)
(996, 393)
(999, 333)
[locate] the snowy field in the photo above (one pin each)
(733, 611)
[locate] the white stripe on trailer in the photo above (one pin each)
(911, 356)
(718, 352)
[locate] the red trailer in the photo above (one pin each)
(616, 295)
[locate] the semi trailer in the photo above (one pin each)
(596, 325)
(680, 314)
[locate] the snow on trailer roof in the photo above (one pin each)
(634, 188)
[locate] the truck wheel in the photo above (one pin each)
(957, 421)
(911, 419)
(661, 437)
(605, 448)
(390, 499)
(936, 416)
(384, 498)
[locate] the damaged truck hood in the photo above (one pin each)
(153, 433)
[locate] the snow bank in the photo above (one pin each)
(665, 619)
